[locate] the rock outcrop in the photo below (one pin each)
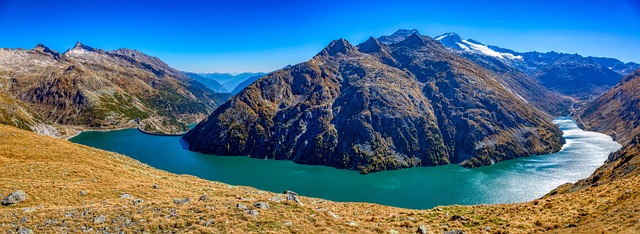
(376, 107)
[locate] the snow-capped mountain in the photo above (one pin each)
(454, 41)
(580, 77)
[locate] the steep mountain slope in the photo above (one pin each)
(617, 112)
(583, 78)
(229, 81)
(74, 188)
(376, 107)
(210, 83)
(92, 88)
(246, 83)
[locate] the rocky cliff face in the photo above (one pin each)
(93, 88)
(617, 112)
(376, 107)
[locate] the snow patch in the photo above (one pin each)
(77, 51)
(483, 49)
(464, 47)
(440, 37)
(514, 93)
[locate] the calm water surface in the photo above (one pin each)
(515, 180)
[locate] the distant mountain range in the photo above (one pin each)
(228, 80)
(522, 84)
(380, 106)
(583, 78)
(50, 93)
(210, 83)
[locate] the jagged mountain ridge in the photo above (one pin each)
(375, 107)
(93, 88)
(583, 78)
(617, 112)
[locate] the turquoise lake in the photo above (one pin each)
(517, 180)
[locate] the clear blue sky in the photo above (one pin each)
(239, 35)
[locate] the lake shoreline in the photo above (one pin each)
(516, 180)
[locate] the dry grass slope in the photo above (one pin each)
(53, 173)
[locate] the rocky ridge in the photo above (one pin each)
(376, 107)
(54, 93)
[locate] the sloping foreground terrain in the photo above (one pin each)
(53, 94)
(375, 107)
(74, 188)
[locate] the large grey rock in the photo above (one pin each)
(252, 212)
(179, 201)
(14, 198)
(454, 232)
(292, 197)
(422, 229)
(24, 230)
(261, 205)
(241, 207)
(100, 219)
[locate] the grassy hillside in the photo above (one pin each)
(74, 188)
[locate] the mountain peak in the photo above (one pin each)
(340, 46)
(370, 46)
(448, 36)
(398, 36)
(44, 49)
(414, 40)
(79, 45)
(451, 40)
(406, 32)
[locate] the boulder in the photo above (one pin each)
(422, 229)
(261, 205)
(241, 207)
(252, 213)
(179, 201)
(14, 198)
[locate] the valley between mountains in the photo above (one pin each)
(393, 102)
